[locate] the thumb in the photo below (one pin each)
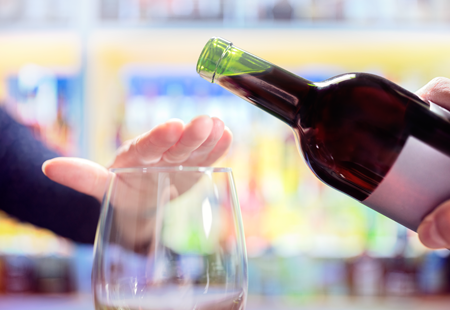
(434, 231)
(79, 174)
(437, 91)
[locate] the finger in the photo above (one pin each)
(195, 133)
(202, 152)
(79, 174)
(220, 149)
(149, 147)
(433, 231)
(437, 91)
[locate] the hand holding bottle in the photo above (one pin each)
(434, 231)
(359, 133)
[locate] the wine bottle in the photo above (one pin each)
(359, 133)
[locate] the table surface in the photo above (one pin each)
(84, 302)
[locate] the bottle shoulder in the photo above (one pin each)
(354, 129)
(361, 92)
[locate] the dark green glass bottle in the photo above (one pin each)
(358, 132)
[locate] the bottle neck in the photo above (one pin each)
(275, 91)
(269, 87)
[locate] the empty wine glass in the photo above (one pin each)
(170, 238)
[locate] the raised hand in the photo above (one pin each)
(200, 143)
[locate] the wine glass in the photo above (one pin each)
(170, 238)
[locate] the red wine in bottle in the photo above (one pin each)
(359, 133)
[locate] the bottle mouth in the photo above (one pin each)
(209, 60)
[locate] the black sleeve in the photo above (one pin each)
(27, 194)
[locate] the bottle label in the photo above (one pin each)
(418, 182)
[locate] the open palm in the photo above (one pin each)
(200, 143)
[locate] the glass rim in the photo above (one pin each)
(170, 169)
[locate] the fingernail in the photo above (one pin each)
(151, 161)
(174, 160)
(176, 120)
(43, 166)
(430, 235)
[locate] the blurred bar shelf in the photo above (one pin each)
(120, 64)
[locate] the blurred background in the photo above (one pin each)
(87, 75)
